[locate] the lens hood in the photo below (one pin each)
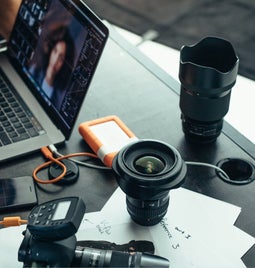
(208, 67)
(144, 184)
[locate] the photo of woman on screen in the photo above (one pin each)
(53, 61)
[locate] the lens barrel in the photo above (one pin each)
(146, 170)
(91, 257)
(148, 212)
(207, 73)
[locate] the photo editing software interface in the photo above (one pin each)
(57, 47)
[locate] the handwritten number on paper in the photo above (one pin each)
(187, 236)
(170, 235)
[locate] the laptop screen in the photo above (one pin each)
(56, 44)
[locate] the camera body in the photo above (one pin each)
(44, 253)
(50, 241)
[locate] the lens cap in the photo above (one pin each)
(72, 172)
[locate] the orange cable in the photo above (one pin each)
(48, 154)
(12, 221)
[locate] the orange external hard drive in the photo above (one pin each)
(106, 136)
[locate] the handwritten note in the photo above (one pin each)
(192, 234)
(197, 231)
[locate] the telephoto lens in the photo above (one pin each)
(146, 171)
(91, 257)
(207, 73)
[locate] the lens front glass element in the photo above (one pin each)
(149, 165)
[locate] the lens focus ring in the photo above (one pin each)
(147, 212)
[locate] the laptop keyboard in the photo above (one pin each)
(17, 123)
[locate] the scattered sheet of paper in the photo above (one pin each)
(197, 231)
(11, 239)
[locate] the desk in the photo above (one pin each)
(132, 87)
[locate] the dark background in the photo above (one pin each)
(184, 22)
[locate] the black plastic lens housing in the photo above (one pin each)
(207, 73)
(146, 171)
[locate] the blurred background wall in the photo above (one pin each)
(185, 22)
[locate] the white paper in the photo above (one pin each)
(223, 212)
(170, 241)
(11, 239)
(197, 231)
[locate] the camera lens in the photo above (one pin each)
(146, 170)
(91, 257)
(207, 73)
(149, 165)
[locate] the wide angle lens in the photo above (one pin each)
(146, 170)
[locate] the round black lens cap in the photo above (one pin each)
(72, 173)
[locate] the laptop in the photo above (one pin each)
(45, 73)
